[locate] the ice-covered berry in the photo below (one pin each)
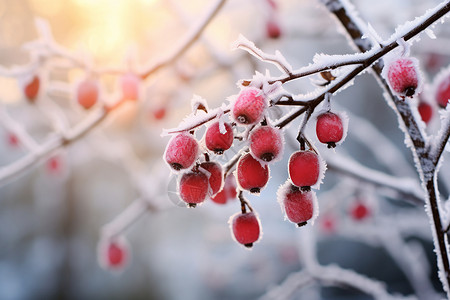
(304, 168)
(215, 179)
(359, 211)
(193, 187)
(181, 151)
(443, 90)
(251, 174)
(217, 140)
(329, 128)
(249, 106)
(129, 84)
(228, 191)
(245, 228)
(266, 143)
(113, 253)
(425, 111)
(87, 93)
(273, 29)
(31, 88)
(403, 76)
(298, 205)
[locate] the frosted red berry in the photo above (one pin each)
(129, 84)
(245, 228)
(266, 143)
(193, 187)
(425, 111)
(359, 211)
(298, 205)
(304, 168)
(159, 113)
(251, 174)
(403, 76)
(214, 171)
(87, 93)
(273, 29)
(217, 141)
(31, 88)
(181, 151)
(329, 129)
(249, 106)
(228, 191)
(113, 253)
(443, 92)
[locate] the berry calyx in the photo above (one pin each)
(113, 253)
(297, 204)
(193, 187)
(359, 211)
(245, 228)
(329, 129)
(403, 76)
(443, 91)
(304, 168)
(215, 174)
(266, 143)
(217, 140)
(425, 111)
(181, 151)
(87, 93)
(249, 106)
(31, 88)
(251, 174)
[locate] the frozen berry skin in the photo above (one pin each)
(359, 211)
(246, 228)
(273, 29)
(87, 93)
(228, 191)
(216, 141)
(266, 143)
(251, 174)
(425, 111)
(31, 89)
(403, 77)
(304, 168)
(329, 129)
(443, 92)
(215, 175)
(181, 151)
(298, 205)
(249, 106)
(193, 187)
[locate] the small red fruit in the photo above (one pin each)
(181, 151)
(193, 187)
(304, 168)
(31, 88)
(246, 228)
(251, 174)
(266, 143)
(443, 92)
(273, 29)
(298, 205)
(425, 111)
(217, 141)
(113, 253)
(215, 175)
(159, 113)
(228, 191)
(87, 93)
(359, 211)
(13, 140)
(403, 76)
(329, 129)
(129, 84)
(249, 106)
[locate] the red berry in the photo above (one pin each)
(251, 174)
(228, 191)
(87, 93)
(181, 151)
(328, 223)
(403, 77)
(329, 129)
(443, 92)
(54, 165)
(31, 88)
(298, 205)
(246, 228)
(13, 140)
(193, 187)
(273, 29)
(220, 197)
(217, 141)
(425, 111)
(359, 211)
(129, 84)
(249, 106)
(304, 168)
(266, 143)
(159, 113)
(215, 175)
(113, 253)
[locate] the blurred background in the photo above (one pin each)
(51, 217)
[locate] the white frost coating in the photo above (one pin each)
(222, 128)
(372, 34)
(430, 33)
(322, 169)
(198, 101)
(261, 82)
